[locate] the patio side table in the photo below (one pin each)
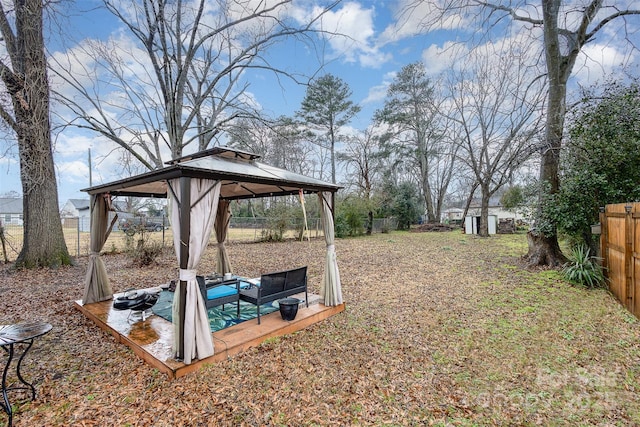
(20, 333)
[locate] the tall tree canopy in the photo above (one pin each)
(362, 158)
(415, 130)
(327, 107)
(24, 107)
(496, 103)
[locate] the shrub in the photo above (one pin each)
(142, 250)
(583, 269)
(146, 253)
(278, 221)
(341, 227)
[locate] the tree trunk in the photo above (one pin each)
(370, 223)
(44, 243)
(4, 243)
(484, 213)
(543, 246)
(544, 251)
(467, 205)
(333, 157)
(426, 192)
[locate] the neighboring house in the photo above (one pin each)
(495, 208)
(75, 208)
(76, 214)
(451, 215)
(11, 211)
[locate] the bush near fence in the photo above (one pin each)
(77, 236)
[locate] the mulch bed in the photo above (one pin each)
(439, 329)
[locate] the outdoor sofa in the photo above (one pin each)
(274, 286)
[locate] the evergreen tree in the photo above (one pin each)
(327, 107)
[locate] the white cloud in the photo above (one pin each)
(353, 39)
(378, 93)
(373, 58)
(413, 18)
(439, 58)
(75, 62)
(74, 171)
(596, 61)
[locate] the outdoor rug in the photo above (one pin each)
(218, 318)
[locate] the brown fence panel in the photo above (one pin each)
(635, 303)
(620, 248)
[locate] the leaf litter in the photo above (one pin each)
(439, 329)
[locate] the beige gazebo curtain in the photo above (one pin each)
(96, 283)
(223, 218)
(331, 288)
(204, 198)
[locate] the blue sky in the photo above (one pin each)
(367, 61)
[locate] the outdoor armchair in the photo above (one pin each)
(221, 293)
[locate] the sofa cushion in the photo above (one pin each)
(221, 291)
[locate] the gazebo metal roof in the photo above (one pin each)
(242, 176)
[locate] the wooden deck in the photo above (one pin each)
(152, 339)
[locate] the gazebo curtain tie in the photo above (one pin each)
(188, 275)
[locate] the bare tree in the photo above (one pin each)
(567, 27)
(362, 158)
(24, 107)
(180, 82)
(280, 143)
(496, 103)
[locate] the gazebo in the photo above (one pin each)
(200, 187)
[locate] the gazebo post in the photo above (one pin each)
(333, 203)
(185, 237)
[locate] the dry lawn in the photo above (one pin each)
(440, 329)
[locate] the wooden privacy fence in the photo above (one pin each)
(620, 249)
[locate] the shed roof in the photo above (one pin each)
(242, 177)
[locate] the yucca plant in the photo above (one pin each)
(583, 269)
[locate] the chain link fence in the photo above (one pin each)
(124, 237)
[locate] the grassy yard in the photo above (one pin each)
(440, 329)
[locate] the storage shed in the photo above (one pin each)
(472, 224)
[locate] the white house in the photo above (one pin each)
(75, 208)
(11, 210)
(76, 214)
(451, 214)
(495, 208)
